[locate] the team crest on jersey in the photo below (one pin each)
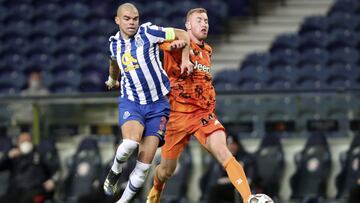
(139, 42)
(126, 115)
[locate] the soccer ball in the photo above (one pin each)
(260, 198)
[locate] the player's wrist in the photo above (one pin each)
(111, 81)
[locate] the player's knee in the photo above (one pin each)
(167, 171)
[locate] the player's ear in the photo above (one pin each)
(117, 20)
(187, 25)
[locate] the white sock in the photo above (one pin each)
(136, 180)
(123, 152)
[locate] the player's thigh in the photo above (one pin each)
(131, 119)
(207, 126)
(147, 149)
(216, 144)
(133, 130)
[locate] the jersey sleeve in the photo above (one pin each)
(165, 46)
(160, 34)
(112, 48)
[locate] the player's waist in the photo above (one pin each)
(180, 104)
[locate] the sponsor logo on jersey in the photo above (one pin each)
(201, 67)
(130, 63)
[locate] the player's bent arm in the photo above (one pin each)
(114, 72)
(183, 35)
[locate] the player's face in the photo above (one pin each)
(128, 21)
(199, 25)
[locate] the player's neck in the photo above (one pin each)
(124, 35)
(196, 40)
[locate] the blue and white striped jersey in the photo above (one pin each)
(143, 79)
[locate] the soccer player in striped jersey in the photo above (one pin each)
(192, 100)
(143, 106)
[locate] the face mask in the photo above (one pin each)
(34, 84)
(26, 147)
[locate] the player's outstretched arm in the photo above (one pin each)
(114, 72)
(185, 57)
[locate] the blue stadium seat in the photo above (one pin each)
(46, 27)
(340, 39)
(77, 10)
(285, 41)
(313, 23)
(99, 41)
(249, 83)
(21, 11)
(66, 81)
(102, 26)
(43, 43)
(257, 59)
(68, 59)
(344, 6)
(344, 56)
(313, 40)
(42, 60)
(14, 60)
(46, 10)
(157, 8)
(72, 26)
(282, 59)
(92, 82)
(253, 70)
(314, 57)
(181, 8)
(69, 44)
(308, 81)
(226, 80)
(338, 80)
(279, 82)
(18, 27)
(97, 60)
(342, 21)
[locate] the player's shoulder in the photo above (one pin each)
(115, 37)
(208, 48)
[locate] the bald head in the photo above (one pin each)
(126, 7)
(127, 18)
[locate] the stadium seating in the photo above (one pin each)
(270, 164)
(84, 170)
(313, 168)
(345, 181)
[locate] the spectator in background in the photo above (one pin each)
(35, 85)
(216, 185)
(32, 176)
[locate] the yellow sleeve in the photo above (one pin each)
(169, 34)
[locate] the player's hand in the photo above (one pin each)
(177, 44)
(186, 65)
(49, 185)
(112, 84)
(13, 153)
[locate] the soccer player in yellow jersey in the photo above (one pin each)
(192, 102)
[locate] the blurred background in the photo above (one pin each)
(287, 75)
